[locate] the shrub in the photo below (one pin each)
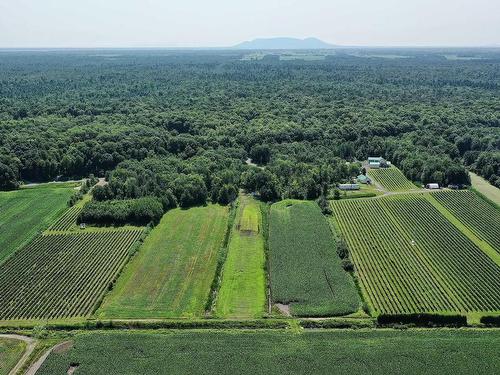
(423, 320)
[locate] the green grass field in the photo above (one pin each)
(305, 269)
(28, 211)
(409, 258)
(172, 272)
(243, 289)
(391, 179)
(347, 352)
(484, 187)
(10, 353)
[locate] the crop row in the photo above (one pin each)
(409, 258)
(67, 220)
(391, 179)
(62, 275)
(475, 213)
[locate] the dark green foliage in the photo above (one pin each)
(491, 320)
(342, 352)
(260, 154)
(429, 320)
(118, 212)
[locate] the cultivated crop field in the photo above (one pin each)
(11, 351)
(480, 216)
(243, 290)
(173, 270)
(26, 212)
(67, 220)
(62, 275)
(391, 179)
(311, 352)
(305, 269)
(409, 258)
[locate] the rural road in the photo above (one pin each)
(30, 345)
(35, 366)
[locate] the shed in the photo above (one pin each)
(362, 179)
(348, 186)
(374, 161)
(432, 186)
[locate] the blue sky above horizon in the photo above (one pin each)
(219, 23)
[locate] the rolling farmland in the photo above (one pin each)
(391, 179)
(305, 270)
(62, 275)
(410, 258)
(311, 352)
(28, 211)
(475, 213)
(243, 290)
(173, 270)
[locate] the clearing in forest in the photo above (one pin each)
(478, 215)
(243, 289)
(409, 258)
(28, 211)
(305, 269)
(62, 275)
(172, 272)
(343, 352)
(391, 179)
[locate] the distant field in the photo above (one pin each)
(10, 353)
(484, 187)
(62, 275)
(410, 258)
(386, 352)
(173, 270)
(475, 213)
(391, 179)
(28, 211)
(243, 290)
(305, 269)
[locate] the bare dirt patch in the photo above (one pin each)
(284, 309)
(72, 368)
(63, 348)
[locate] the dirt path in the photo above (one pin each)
(30, 345)
(35, 366)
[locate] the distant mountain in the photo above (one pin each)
(284, 43)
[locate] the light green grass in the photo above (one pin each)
(243, 290)
(484, 187)
(26, 212)
(305, 269)
(10, 353)
(386, 352)
(173, 270)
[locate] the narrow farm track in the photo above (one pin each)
(30, 346)
(36, 366)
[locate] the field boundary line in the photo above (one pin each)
(30, 346)
(483, 245)
(32, 370)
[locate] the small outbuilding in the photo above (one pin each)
(432, 186)
(362, 179)
(348, 186)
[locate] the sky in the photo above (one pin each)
(219, 23)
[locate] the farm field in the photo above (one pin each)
(480, 216)
(11, 351)
(319, 352)
(409, 258)
(62, 275)
(28, 211)
(242, 293)
(391, 179)
(305, 269)
(484, 187)
(172, 272)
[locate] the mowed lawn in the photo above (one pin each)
(305, 269)
(28, 211)
(172, 272)
(11, 351)
(347, 352)
(243, 290)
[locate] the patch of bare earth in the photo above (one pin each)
(63, 348)
(72, 368)
(284, 309)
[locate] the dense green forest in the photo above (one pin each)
(180, 126)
